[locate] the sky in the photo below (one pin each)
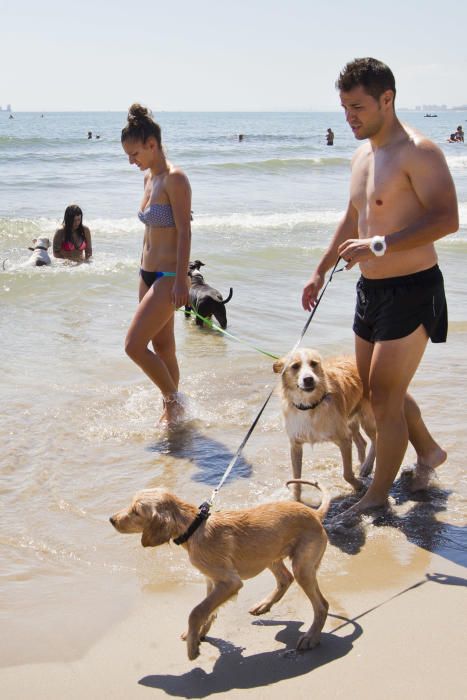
(218, 55)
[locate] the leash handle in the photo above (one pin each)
(260, 413)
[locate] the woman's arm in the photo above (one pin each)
(179, 192)
(57, 243)
(87, 236)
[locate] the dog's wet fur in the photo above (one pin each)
(322, 401)
(234, 545)
(40, 256)
(204, 299)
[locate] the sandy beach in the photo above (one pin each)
(392, 632)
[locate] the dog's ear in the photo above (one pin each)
(34, 240)
(157, 531)
(278, 365)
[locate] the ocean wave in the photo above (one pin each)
(268, 222)
(280, 165)
(457, 162)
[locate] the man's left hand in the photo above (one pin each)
(354, 251)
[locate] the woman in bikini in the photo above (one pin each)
(163, 285)
(73, 240)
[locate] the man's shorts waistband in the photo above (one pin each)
(430, 276)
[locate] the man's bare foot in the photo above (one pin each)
(351, 516)
(425, 468)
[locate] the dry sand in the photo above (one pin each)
(396, 629)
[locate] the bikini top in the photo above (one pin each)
(68, 246)
(160, 215)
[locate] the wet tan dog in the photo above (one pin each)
(322, 401)
(231, 546)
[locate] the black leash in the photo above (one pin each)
(204, 508)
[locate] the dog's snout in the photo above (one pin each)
(308, 382)
(112, 520)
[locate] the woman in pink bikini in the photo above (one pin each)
(73, 240)
(163, 285)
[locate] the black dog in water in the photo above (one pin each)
(204, 299)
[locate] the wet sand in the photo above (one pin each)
(395, 628)
(390, 633)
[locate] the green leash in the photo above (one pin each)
(209, 323)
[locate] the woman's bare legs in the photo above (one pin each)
(154, 321)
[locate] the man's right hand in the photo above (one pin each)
(311, 291)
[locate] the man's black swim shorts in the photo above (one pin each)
(394, 307)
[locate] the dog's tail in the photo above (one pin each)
(224, 301)
(322, 511)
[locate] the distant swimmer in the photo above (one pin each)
(460, 133)
(11, 116)
(97, 136)
(454, 138)
(330, 137)
(89, 134)
(240, 137)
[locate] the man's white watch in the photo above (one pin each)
(378, 245)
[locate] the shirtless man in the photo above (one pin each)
(402, 199)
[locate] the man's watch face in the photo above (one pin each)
(377, 245)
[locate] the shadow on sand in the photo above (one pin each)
(419, 524)
(209, 456)
(232, 670)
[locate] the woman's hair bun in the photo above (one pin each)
(138, 113)
(140, 125)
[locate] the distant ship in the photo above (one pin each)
(430, 115)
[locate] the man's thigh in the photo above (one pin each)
(394, 363)
(363, 354)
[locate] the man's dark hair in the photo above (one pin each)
(373, 75)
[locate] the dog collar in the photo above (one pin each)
(201, 517)
(38, 247)
(302, 407)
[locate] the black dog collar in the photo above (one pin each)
(201, 517)
(302, 407)
(38, 247)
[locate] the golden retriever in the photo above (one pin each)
(322, 401)
(231, 546)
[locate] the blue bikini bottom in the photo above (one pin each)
(150, 277)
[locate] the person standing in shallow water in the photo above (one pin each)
(163, 285)
(402, 199)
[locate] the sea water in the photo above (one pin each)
(78, 423)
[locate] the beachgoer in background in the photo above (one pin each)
(460, 133)
(402, 200)
(89, 134)
(453, 138)
(240, 137)
(97, 136)
(73, 240)
(163, 286)
(330, 137)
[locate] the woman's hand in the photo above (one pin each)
(311, 290)
(180, 293)
(355, 250)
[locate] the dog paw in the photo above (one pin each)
(356, 484)
(193, 650)
(260, 609)
(307, 641)
(184, 636)
(365, 470)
